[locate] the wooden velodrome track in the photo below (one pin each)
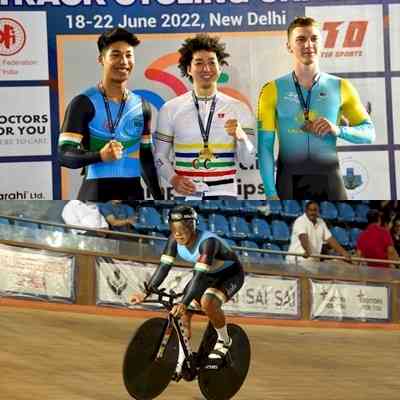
(64, 355)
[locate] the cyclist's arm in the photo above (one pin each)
(360, 129)
(200, 281)
(166, 261)
(266, 136)
(245, 146)
(164, 138)
(74, 133)
(149, 172)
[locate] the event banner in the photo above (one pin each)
(260, 295)
(48, 55)
(341, 301)
(36, 274)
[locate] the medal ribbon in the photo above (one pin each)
(113, 124)
(205, 132)
(305, 103)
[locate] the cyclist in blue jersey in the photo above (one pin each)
(305, 109)
(217, 276)
(106, 129)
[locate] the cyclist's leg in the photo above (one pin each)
(225, 287)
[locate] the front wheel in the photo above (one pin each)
(146, 377)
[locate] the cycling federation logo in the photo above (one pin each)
(12, 37)
(156, 71)
(344, 39)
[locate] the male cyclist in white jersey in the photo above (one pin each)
(208, 132)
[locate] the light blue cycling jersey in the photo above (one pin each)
(280, 112)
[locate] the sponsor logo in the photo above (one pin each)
(370, 303)
(336, 303)
(117, 282)
(12, 37)
(344, 39)
(292, 97)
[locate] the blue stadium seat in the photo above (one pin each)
(157, 244)
(252, 255)
(345, 212)
(165, 215)
(218, 224)
(149, 219)
(260, 229)
(291, 209)
(210, 205)
(4, 221)
(232, 205)
(275, 207)
(280, 231)
(328, 210)
(341, 235)
(239, 229)
(201, 223)
(251, 206)
(354, 232)
(271, 256)
(361, 211)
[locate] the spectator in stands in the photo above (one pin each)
(388, 208)
(376, 242)
(309, 234)
(395, 232)
(120, 216)
(85, 214)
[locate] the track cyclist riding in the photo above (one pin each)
(217, 276)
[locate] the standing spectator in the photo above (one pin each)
(395, 232)
(120, 216)
(309, 234)
(85, 214)
(376, 242)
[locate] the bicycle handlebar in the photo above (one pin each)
(162, 294)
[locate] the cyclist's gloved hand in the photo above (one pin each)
(138, 298)
(178, 310)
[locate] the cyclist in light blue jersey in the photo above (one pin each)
(304, 108)
(106, 129)
(217, 276)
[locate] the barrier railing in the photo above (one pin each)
(139, 236)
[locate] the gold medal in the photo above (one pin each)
(206, 154)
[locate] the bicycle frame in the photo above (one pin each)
(173, 323)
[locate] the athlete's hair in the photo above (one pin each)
(116, 35)
(310, 203)
(373, 216)
(301, 22)
(184, 214)
(201, 41)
